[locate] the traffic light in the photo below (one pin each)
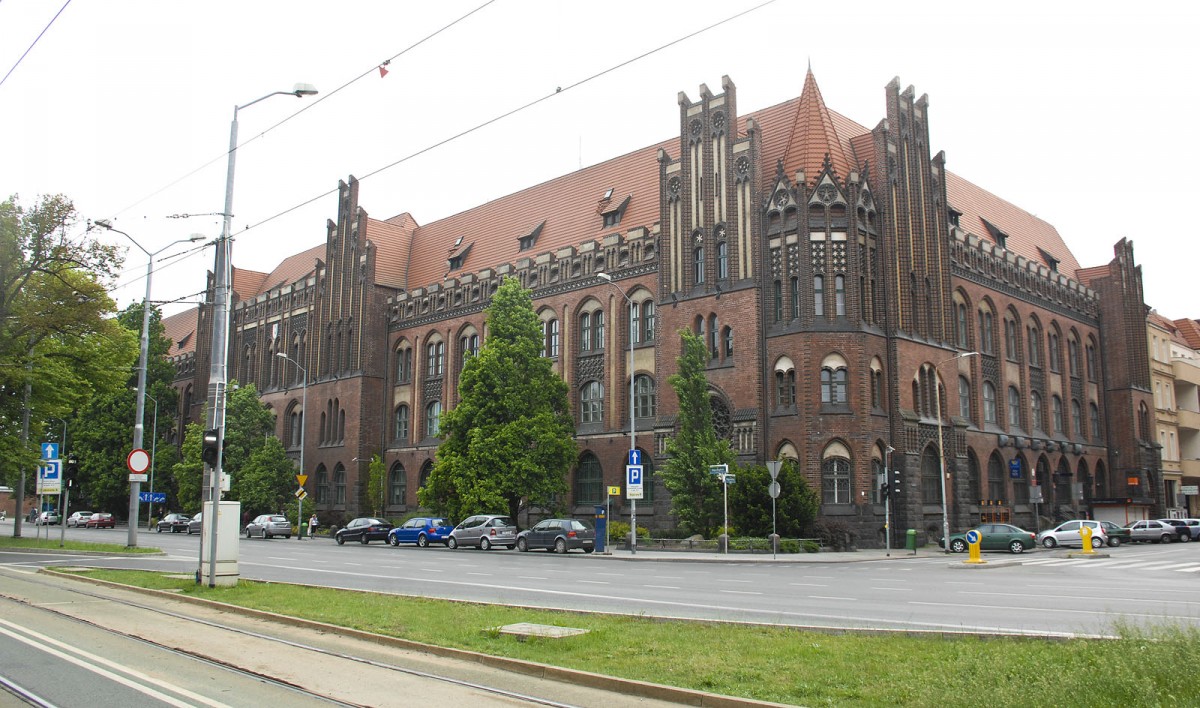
(71, 471)
(210, 447)
(893, 484)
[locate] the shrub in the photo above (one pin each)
(835, 534)
(618, 530)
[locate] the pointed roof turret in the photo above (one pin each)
(813, 138)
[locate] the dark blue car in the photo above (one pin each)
(421, 530)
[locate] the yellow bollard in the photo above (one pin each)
(1085, 533)
(974, 539)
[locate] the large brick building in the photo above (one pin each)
(834, 270)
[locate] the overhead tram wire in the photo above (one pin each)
(514, 111)
(35, 41)
(308, 105)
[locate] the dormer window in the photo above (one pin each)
(455, 262)
(998, 236)
(954, 216)
(612, 216)
(526, 242)
(1050, 260)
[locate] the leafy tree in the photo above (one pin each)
(376, 486)
(188, 472)
(102, 431)
(58, 341)
(266, 480)
(696, 497)
(509, 441)
(750, 502)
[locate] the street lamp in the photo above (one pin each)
(303, 412)
(219, 355)
(937, 404)
(632, 420)
(135, 488)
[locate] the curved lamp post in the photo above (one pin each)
(219, 355)
(937, 404)
(138, 427)
(632, 420)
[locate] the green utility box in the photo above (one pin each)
(910, 541)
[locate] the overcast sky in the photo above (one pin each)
(1071, 111)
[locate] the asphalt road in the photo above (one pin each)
(1038, 592)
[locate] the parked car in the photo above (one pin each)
(559, 535)
(47, 518)
(1152, 531)
(995, 537)
(78, 519)
(175, 523)
(269, 526)
(1116, 534)
(484, 531)
(1068, 534)
(196, 525)
(364, 530)
(421, 530)
(1193, 526)
(101, 520)
(1183, 534)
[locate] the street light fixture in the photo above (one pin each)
(632, 419)
(303, 412)
(219, 355)
(937, 404)
(135, 488)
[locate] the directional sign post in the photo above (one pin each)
(633, 481)
(50, 477)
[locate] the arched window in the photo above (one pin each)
(295, 425)
(468, 347)
(1094, 418)
(1055, 353)
(996, 477)
(397, 485)
(1012, 348)
(404, 360)
(974, 483)
(1035, 411)
(819, 295)
(1056, 413)
(839, 295)
(1144, 422)
(727, 339)
(722, 261)
(960, 324)
(550, 338)
(714, 335)
(876, 384)
(1073, 356)
(598, 329)
(1014, 407)
(648, 321)
(1020, 482)
(1090, 353)
(795, 297)
(785, 388)
(987, 337)
(435, 353)
(698, 256)
(339, 485)
(833, 386)
(645, 400)
(592, 403)
(400, 429)
(585, 332)
(426, 470)
(835, 480)
(989, 403)
(1035, 346)
(322, 485)
(635, 323)
(1076, 418)
(433, 419)
(589, 483)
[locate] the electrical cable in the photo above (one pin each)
(35, 41)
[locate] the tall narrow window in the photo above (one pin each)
(819, 295)
(635, 323)
(1014, 408)
(714, 335)
(553, 345)
(1073, 356)
(1094, 418)
(339, 485)
(964, 397)
(839, 295)
(598, 329)
(400, 433)
(435, 351)
(833, 386)
(1035, 347)
(722, 261)
(989, 402)
(648, 321)
(727, 338)
(433, 419)
(589, 483)
(795, 298)
(1011, 349)
(960, 324)
(698, 254)
(777, 291)
(585, 332)
(1076, 419)
(1054, 351)
(645, 400)
(785, 388)
(835, 481)
(1056, 412)
(591, 402)
(1035, 411)
(987, 341)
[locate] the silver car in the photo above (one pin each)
(1153, 531)
(1068, 534)
(268, 526)
(484, 531)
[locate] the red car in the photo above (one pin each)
(101, 520)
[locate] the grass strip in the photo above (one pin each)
(1144, 666)
(52, 544)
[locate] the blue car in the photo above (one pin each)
(421, 530)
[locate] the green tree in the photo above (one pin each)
(58, 340)
(267, 479)
(510, 440)
(376, 486)
(696, 497)
(188, 472)
(750, 502)
(101, 432)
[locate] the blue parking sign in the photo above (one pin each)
(635, 457)
(49, 451)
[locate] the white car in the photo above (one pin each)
(78, 519)
(1068, 534)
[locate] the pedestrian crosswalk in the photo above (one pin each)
(1116, 563)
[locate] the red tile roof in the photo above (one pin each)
(813, 136)
(292, 269)
(247, 283)
(1190, 331)
(181, 330)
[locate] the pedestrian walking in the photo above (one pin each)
(312, 526)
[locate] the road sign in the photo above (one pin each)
(972, 536)
(50, 477)
(49, 451)
(152, 497)
(633, 481)
(138, 461)
(773, 467)
(1189, 490)
(729, 478)
(773, 490)
(300, 494)
(614, 491)
(718, 469)
(301, 479)
(635, 457)
(1035, 494)
(139, 478)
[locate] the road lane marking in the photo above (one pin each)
(740, 592)
(894, 589)
(732, 580)
(663, 587)
(1106, 597)
(594, 582)
(530, 577)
